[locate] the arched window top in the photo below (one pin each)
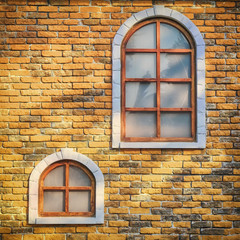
(57, 175)
(156, 52)
(66, 188)
(148, 34)
(158, 12)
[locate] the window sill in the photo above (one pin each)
(70, 220)
(200, 143)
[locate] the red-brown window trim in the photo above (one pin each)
(157, 109)
(66, 188)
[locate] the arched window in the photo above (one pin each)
(66, 188)
(158, 82)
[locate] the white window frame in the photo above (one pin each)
(156, 12)
(65, 154)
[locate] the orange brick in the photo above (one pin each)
(222, 224)
(150, 231)
(225, 16)
(65, 229)
(17, 28)
(79, 15)
(12, 236)
(40, 138)
(54, 236)
(201, 210)
(225, 4)
(202, 198)
(181, 211)
(48, 9)
(214, 23)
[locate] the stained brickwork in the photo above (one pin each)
(55, 92)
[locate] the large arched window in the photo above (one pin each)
(158, 82)
(158, 72)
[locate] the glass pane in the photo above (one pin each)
(175, 95)
(140, 65)
(140, 94)
(79, 201)
(175, 124)
(145, 37)
(53, 201)
(77, 177)
(174, 65)
(171, 37)
(140, 124)
(56, 177)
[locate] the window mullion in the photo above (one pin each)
(141, 50)
(176, 80)
(140, 80)
(141, 109)
(67, 188)
(176, 50)
(158, 80)
(176, 109)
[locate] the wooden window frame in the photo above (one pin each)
(66, 189)
(158, 80)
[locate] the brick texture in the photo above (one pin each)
(55, 92)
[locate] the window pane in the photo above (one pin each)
(53, 201)
(171, 37)
(140, 65)
(175, 65)
(77, 177)
(140, 94)
(175, 95)
(175, 124)
(56, 177)
(145, 37)
(140, 124)
(79, 201)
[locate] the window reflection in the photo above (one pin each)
(140, 65)
(175, 124)
(54, 201)
(175, 65)
(145, 37)
(78, 177)
(55, 177)
(140, 94)
(79, 201)
(140, 124)
(175, 95)
(172, 38)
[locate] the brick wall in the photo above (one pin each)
(55, 92)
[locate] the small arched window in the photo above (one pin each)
(158, 83)
(67, 189)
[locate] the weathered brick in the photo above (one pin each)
(56, 92)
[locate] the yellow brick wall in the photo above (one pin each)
(55, 92)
